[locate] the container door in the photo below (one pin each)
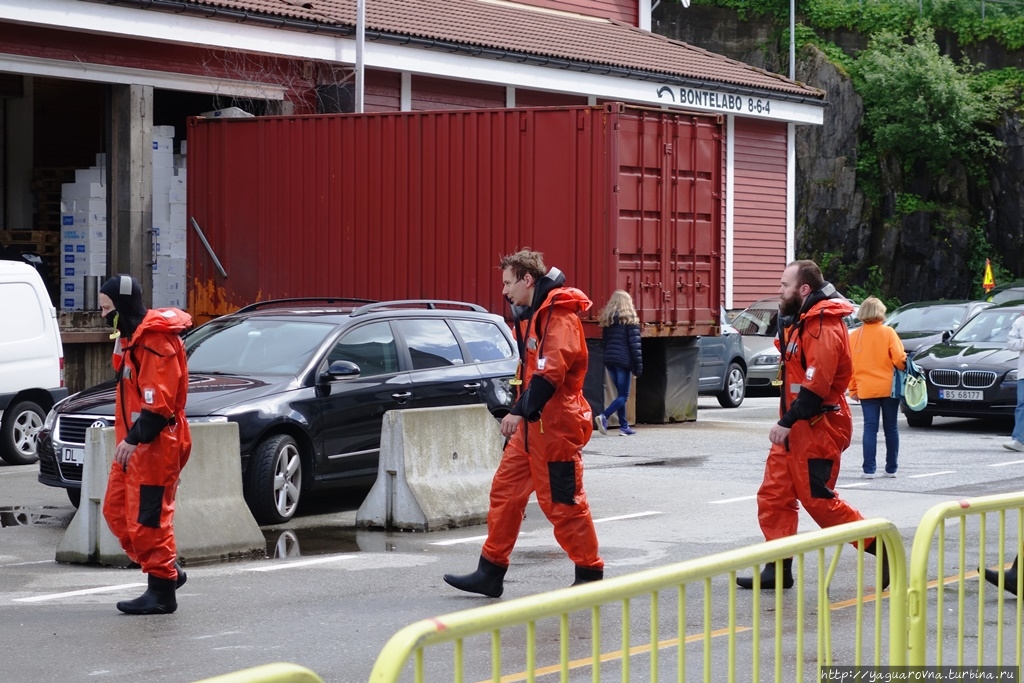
(669, 209)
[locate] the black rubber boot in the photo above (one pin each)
(158, 599)
(585, 575)
(182, 576)
(873, 550)
(768, 577)
(1009, 577)
(486, 580)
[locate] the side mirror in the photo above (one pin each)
(340, 369)
(946, 335)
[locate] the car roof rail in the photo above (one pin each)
(302, 300)
(429, 304)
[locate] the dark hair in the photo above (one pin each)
(525, 261)
(808, 273)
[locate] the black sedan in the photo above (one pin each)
(308, 385)
(972, 373)
(922, 324)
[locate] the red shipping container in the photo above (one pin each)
(422, 204)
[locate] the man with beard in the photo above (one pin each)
(815, 424)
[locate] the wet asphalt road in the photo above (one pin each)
(328, 597)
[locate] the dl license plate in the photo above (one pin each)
(72, 456)
(961, 395)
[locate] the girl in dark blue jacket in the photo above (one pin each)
(621, 355)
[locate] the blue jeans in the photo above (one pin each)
(622, 378)
(1018, 414)
(889, 408)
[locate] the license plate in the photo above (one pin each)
(961, 395)
(72, 456)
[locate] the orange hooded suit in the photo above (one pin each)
(816, 366)
(152, 386)
(545, 453)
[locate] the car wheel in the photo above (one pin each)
(735, 387)
(275, 480)
(919, 419)
(75, 496)
(21, 422)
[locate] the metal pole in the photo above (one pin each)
(360, 40)
(792, 40)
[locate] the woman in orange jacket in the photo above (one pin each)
(877, 351)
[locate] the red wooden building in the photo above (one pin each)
(79, 78)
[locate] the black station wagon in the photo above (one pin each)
(308, 382)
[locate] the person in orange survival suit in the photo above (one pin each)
(547, 427)
(815, 424)
(153, 440)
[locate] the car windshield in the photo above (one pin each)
(987, 326)
(1007, 295)
(757, 321)
(254, 346)
(927, 318)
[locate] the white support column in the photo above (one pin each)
(405, 96)
(592, 100)
(730, 205)
(645, 14)
(790, 192)
(510, 96)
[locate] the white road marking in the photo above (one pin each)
(84, 591)
(300, 563)
(22, 564)
(1004, 464)
(931, 474)
(732, 500)
(853, 485)
(632, 516)
(472, 539)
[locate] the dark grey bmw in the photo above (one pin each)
(308, 382)
(971, 373)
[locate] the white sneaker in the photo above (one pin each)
(1014, 445)
(890, 475)
(868, 475)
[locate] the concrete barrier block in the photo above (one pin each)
(211, 519)
(87, 538)
(435, 471)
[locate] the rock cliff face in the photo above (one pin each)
(921, 255)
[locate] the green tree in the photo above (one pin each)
(919, 105)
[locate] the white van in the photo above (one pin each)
(31, 361)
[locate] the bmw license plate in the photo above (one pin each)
(72, 456)
(961, 395)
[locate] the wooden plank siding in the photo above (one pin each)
(540, 98)
(759, 205)
(382, 91)
(430, 93)
(627, 11)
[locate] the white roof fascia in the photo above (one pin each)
(190, 30)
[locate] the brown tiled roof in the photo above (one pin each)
(508, 26)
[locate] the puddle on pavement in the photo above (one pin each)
(22, 516)
(675, 462)
(323, 541)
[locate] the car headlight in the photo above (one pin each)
(1011, 376)
(766, 359)
(51, 419)
(207, 419)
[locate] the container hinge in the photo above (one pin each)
(668, 148)
(581, 121)
(522, 123)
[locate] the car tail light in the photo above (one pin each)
(62, 370)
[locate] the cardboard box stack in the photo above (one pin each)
(169, 221)
(83, 232)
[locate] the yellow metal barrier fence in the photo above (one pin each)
(969, 555)
(519, 635)
(268, 673)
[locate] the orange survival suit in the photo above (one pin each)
(545, 453)
(816, 368)
(152, 386)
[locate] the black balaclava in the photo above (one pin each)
(126, 293)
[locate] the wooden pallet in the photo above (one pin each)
(30, 236)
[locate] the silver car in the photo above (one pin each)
(758, 324)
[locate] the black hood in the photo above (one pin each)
(126, 294)
(552, 280)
